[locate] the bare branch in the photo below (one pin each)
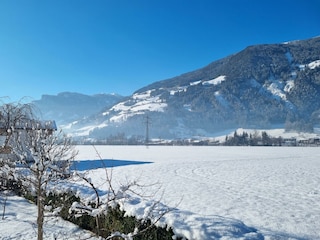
(41, 155)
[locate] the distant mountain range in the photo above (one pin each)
(259, 87)
(68, 107)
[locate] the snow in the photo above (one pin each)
(275, 132)
(314, 64)
(274, 88)
(311, 65)
(187, 107)
(20, 222)
(215, 81)
(232, 192)
(215, 192)
(278, 89)
(195, 83)
(291, 42)
(142, 102)
(302, 67)
(178, 89)
(82, 131)
(289, 86)
(294, 74)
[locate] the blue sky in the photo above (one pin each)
(105, 46)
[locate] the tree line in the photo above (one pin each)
(255, 139)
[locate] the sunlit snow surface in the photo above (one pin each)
(19, 223)
(230, 192)
(314, 64)
(216, 192)
(215, 81)
(142, 102)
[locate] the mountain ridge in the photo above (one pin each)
(258, 87)
(66, 107)
(219, 65)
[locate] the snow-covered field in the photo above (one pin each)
(217, 192)
(235, 192)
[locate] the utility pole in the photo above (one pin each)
(147, 122)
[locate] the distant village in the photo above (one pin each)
(243, 139)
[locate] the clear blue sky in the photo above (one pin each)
(105, 46)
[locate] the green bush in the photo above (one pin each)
(114, 221)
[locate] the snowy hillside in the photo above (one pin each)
(138, 104)
(259, 87)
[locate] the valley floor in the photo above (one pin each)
(216, 192)
(275, 190)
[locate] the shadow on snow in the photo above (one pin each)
(84, 165)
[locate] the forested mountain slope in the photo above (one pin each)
(258, 87)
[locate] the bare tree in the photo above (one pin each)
(100, 205)
(42, 155)
(5, 198)
(12, 115)
(51, 154)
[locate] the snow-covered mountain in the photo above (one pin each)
(67, 107)
(259, 87)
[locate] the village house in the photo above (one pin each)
(21, 128)
(7, 154)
